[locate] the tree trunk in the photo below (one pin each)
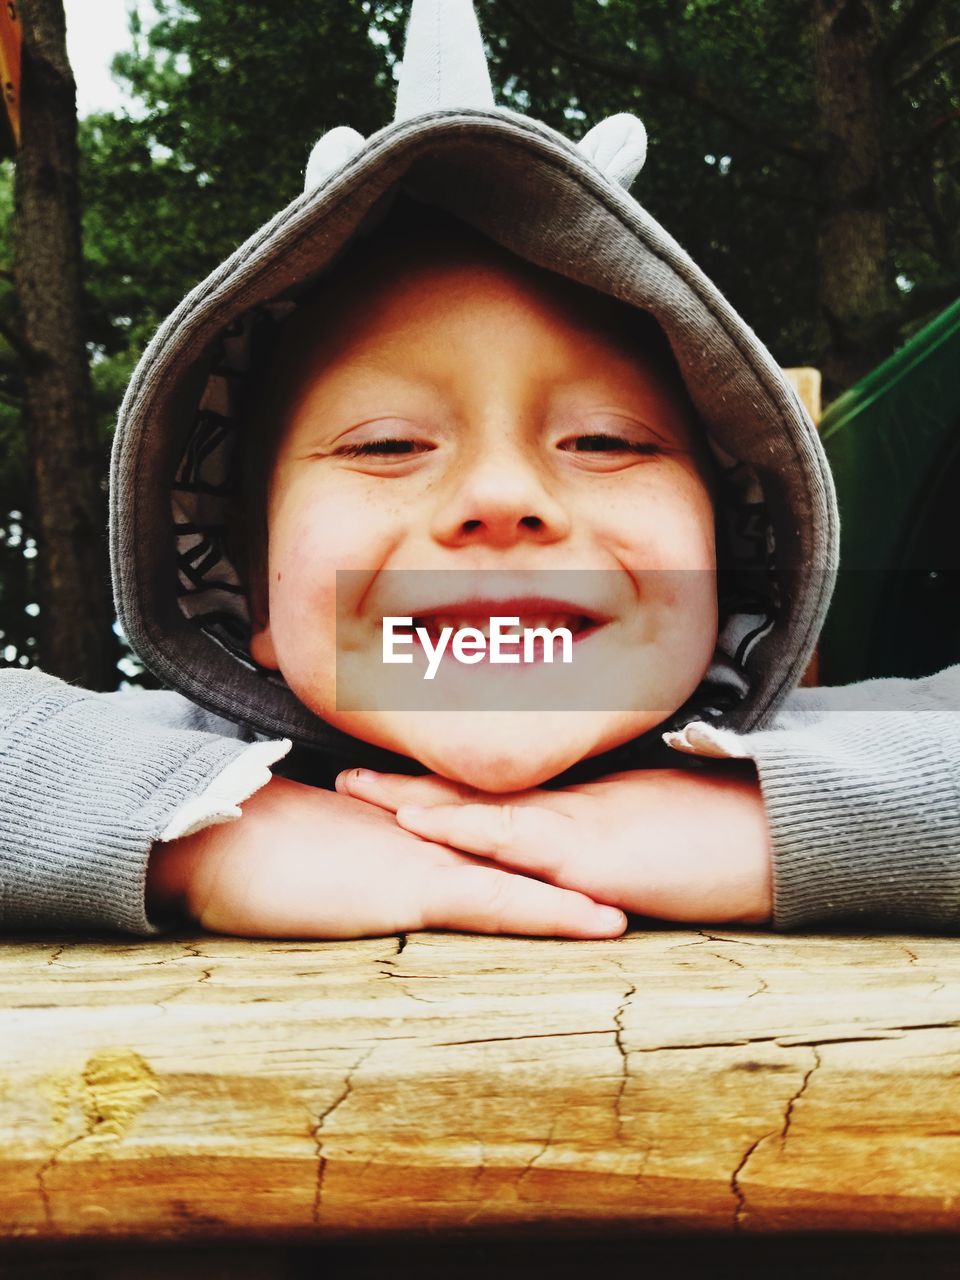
(76, 610)
(854, 288)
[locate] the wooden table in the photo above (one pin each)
(455, 1087)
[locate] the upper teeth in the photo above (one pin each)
(438, 622)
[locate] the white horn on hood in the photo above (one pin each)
(444, 62)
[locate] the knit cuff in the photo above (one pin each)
(85, 790)
(864, 814)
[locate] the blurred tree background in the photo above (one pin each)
(805, 152)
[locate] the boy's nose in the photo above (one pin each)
(499, 500)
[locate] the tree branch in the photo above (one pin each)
(693, 90)
(906, 31)
(935, 55)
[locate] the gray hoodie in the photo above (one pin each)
(861, 785)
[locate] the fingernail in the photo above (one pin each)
(609, 917)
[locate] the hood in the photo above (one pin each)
(561, 205)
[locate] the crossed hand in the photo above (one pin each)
(657, 842)
(387, 853)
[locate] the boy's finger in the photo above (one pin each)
(488, 900)
(538, 841)
(388, 790)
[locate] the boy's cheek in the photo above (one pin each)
(315, 618)
(693, 543)
(669, 525)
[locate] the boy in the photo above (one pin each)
(836, 823)
(424, 306)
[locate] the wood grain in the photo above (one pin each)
(206, 1087)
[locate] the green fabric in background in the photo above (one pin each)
(893, 441)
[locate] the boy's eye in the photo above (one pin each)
(599, 442)
(368, 448)
(595, 442)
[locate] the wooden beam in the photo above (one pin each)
(203, 1087)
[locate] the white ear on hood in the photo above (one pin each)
(617, 146)
(445, 66)
(444, 63)
(331, 153)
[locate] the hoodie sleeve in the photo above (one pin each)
(88, 783)
(861, 785)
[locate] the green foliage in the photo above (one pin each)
(230, 95)
(739, 206)
(728, 95)
(233, 96)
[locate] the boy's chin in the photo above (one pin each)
(490, 771)
(501, 751)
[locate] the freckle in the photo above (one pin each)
(279, 575)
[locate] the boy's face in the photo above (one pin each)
(524, 434)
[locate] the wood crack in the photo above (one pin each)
(317, 1129)
(539, 1155)
(788, 1114)
(401, 978)
(741, 1200)
(618, 1038)
(534, 1035)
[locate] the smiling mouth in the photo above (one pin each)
(579, 625)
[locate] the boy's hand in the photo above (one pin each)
(308, 863)
(659, 842)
